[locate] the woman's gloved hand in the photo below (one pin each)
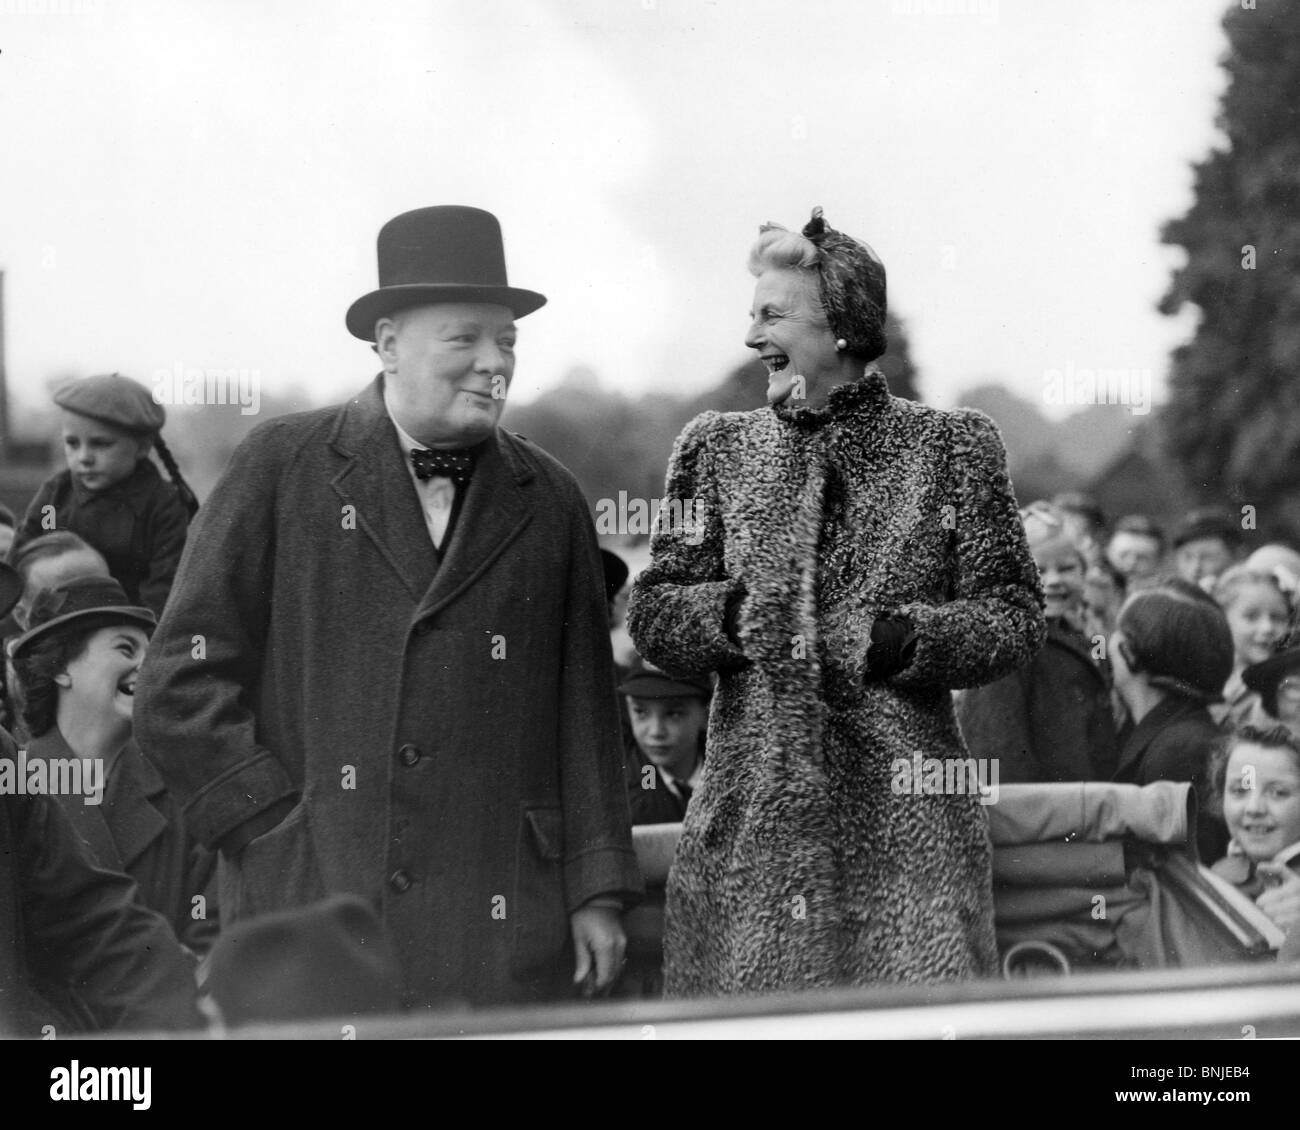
(893, 643)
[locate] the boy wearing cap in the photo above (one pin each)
(111, 494)
(669, 717)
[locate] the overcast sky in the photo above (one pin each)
(200, 182)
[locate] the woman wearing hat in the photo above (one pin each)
(76, 667)
(111, 494)
(862, 556)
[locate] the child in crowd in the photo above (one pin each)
(111, 494)
(1258, 616)
(1206, 544)
(1136, 549)
(1103, 596)
(1171, 654)
(76, 667)
(669, 717)
(1050, 719)
(1257, 776)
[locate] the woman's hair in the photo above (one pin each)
(778, 249)
(1231, 582)
(188, 500)
(36, 693)
(1179, 638)
(1274, 737)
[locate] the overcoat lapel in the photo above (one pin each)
(375, 481)
(495, 512)
(133, 787)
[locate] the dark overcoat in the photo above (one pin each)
(801, 865)
(77, 934)
(138, 828)
(138, 525)
(447, 725)
(1049, 720)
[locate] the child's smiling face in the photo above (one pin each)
(99, 454)
(1061, 569)
(1261, 799)
(1257, 616)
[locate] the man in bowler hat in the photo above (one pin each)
(385, 666)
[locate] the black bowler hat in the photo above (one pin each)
(449, 253)
(78, 599)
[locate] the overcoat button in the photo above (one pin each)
(400, 881)
(408, 754)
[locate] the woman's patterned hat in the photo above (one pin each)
(853, 288)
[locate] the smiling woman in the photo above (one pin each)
(860, 556)
(76, 668)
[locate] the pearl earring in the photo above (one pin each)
(841, 345)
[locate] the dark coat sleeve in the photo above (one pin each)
(677, 606)
(84, 927)
(598, 855)
(194, 716)
(1182, 752)
(994, 621)
(166, 521)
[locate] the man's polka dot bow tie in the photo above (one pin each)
(457, 466)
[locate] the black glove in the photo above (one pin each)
(731, 615)
(893, 643)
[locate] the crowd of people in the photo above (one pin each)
(359, 739)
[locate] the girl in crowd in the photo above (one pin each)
(1171, 655)
(76, 667)
(1257, 775)
(111, 494)
(1257, 614)
(1050, 719)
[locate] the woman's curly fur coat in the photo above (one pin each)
(798, 866)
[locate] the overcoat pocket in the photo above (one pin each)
(541, 920)
(277, 869)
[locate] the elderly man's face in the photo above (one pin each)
(448, 368)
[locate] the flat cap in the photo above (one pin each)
(112, 399)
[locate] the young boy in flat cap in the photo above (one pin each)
(111, 494)
(669, 718)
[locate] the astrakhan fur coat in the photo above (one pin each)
(802, 862)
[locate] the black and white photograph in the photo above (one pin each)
(647, 520)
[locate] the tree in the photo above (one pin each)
(1233, 418)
